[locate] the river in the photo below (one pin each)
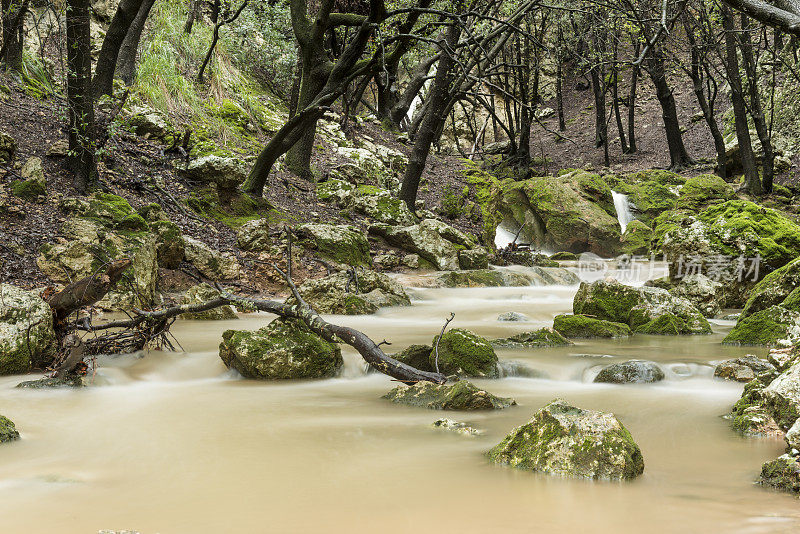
(173, 443)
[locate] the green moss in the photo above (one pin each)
(656, 175)
(581, 326)
(27, 189)
(233, 211)
(700, 191)
(464, 353)
(462, 395)
(169, 244)
(666, 325)
(774, 289)
(782, 474)
(637, 238)
(564, 256)
(609, 301)
(770, 327)
(544, 337)
(8, 432)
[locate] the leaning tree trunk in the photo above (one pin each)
(107, 59)
(314, 75)
(752, 183)
(79, 95)
(678, 157)
(440, 94)
(126, 61)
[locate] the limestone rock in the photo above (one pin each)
(630, 372)
(148, 122)
(513, 317)
(544, 337)
(462, 396)
(417, 356)
(742, 369)
(782, 474)
(774, 289)
(170, 247)
(284, 349)
(782, 397)
(702, 291)
(773, 327)
(200, 294)
(27, 338)
(564, 440)
(339, 294)
(457, 427)
(253, 236)
(476, 258)
(211, 263)
(465, 354)
(224, 172)
(581, 326)
(8, 148)
(341, 243)
(8, 432)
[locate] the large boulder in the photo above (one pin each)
(742, 369)
(650, 192)
(782, 397)
(224, 172)
(573, 212)
(211, 263)
(8, 432)
(773, 327)
(374, 202)
(27, 338)
(103, 228)
(464, 353)
(564, 440)
(706, 294)
(630, 372)
(170, 247)
(341, 243)
(636, 239)
(774, 289)
(284, 349)
(200, 294)
(535, 276)
(645, 309)
(462, 395)
(253, 236)
(33, 183)
(341, 293)
(704, 190)
(582, 326)
(147, 122)
(750, 415)
(433, 240)
(782, 474)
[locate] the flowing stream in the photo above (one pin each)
(173, 443)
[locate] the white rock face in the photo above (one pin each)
(26, 330)
(211, 263)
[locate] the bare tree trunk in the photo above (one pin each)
(632, 103)
(437, 101)
(751, 181)
(79, 95)
(194, 11)
(107, 59)
(126, 62)
(679, 158)
(13, 33)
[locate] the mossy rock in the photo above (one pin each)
(200, 294)
(253, 236)
(782, 474)
(462, 396)
(564, 440)
(342, 294)
(782, 397)
(650, 198)
(742, 369)
(636, 239)
(27, 338)
(668, 324)
(630, 372)
(284, 349)
(481, 278)
(774, 289)
(544, 337)
(8, 432)
(773, 327)
(110, 211)
(581, 326)
(8, 148)
(464, 353)
(701, 191)
(27, 189)
(170, 247)
(417, 356)
(343, 244)
(564, 256)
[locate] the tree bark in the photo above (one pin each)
(679, 158)
(751, 181)
(785, 14)
(87, 291)
(436, 104)
(126, 61)
(107, 59)
(82, 137)
(13, 33)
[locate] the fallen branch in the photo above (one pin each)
(87, 291)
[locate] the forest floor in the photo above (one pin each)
(130, 161)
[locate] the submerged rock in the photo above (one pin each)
(284, 349)
(514, 317)
(509, 368)
(456, 426)
(339, 293)
(544, 337)
(69, 381)
(648, 310)
(631, 372)
(742, 369)
(582, 326)
(8, 432)
(783, 474)
(564, 440)
(465, 353)
(462, 395)
(27, 338)
(200, 294)
(341, 243)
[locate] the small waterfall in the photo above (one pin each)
(623, 207)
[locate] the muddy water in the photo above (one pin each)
(172, 443)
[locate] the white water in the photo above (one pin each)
(623, 207)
